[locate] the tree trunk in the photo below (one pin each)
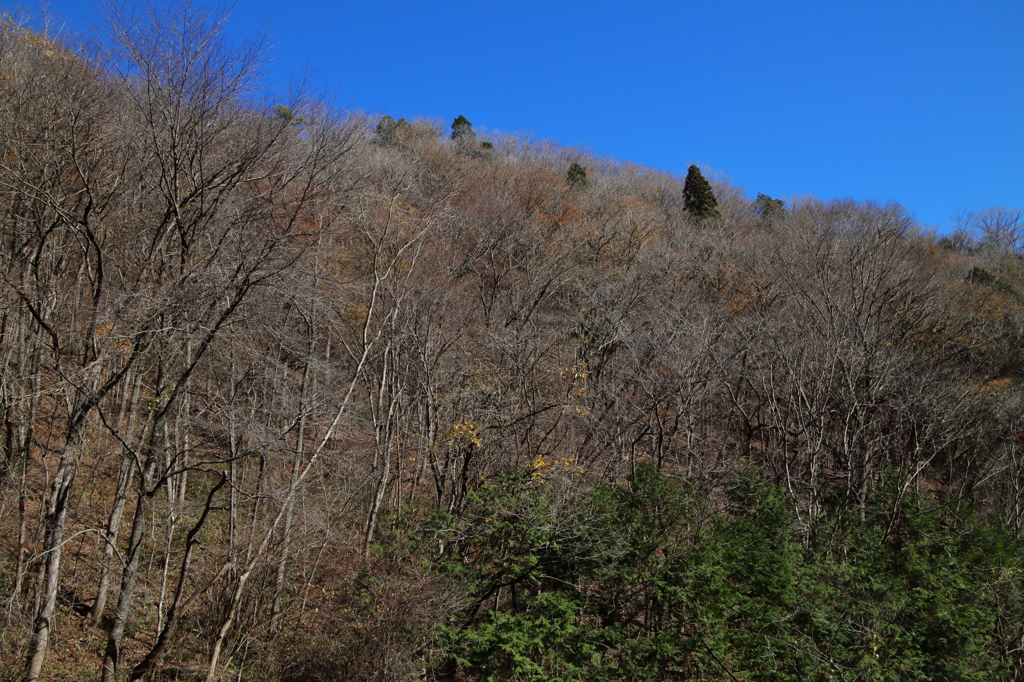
(124, 483)
(112, 655)
(52, 545)
(149, 663)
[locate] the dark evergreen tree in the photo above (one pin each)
(576, 177)
(698, 196)
(389, 131)
(767, 207)
(384, 133)
(462, 129)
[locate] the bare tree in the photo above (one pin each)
(1000, 228)
(227, 190)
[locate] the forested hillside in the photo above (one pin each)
(294, 394)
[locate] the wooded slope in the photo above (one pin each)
(291, 394)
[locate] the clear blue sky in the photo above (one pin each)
(902, 100)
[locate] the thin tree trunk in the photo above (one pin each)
(375, 504)
(255, 556)
(149, 663)
(124, 483)
(282, 563)
(112, 655)
(173, 497)
(384, 416)
(52, 544)
(26, 433)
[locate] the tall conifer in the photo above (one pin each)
(698, 196)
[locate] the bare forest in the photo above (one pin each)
(288, 393)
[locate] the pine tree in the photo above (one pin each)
(462, 129)
(576, 177)
(698, 196)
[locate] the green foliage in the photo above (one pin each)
(982, 276)
(519, 545)
(911, 603)
(384, 133)
(389, 132)
(576, 177)
(644, 582)
(698, 196)
(286, 114)
(462, 129)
